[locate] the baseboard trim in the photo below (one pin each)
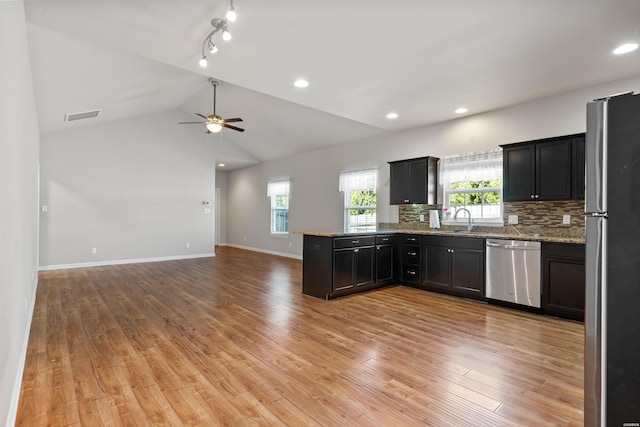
(123, 261)
(15, 397)
(265, 251)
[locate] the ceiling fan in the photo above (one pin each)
(215, 123)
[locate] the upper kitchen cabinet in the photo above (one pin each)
(546, 169)
(414, 181)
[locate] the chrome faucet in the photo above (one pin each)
(470, 224)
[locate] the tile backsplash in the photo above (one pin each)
(544, 218)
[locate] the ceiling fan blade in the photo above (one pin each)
(190, 123)
(232, 127)
(236, 119)
(204, 117)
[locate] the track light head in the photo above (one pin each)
(226, 35)
(203, 61)
(212, 47)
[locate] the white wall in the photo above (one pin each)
(133, 189)
(19, 196)
(221, 183)
(316, 203)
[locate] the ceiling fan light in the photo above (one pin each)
(226, 35)
(203, 61)
(214, 127)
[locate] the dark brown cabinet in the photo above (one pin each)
(563, 280)
(548, 169)
(337, 266)
(385, 258)
(577, 146)
(414, 181)
(454, 265)
(410, 259)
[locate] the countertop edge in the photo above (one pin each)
(528, 237)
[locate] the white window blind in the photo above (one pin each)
(278, 188)
(358, 180)
(483, 166)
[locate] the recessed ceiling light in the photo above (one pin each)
(301, 83)
(461, 110)
(392, 116)
(221, 165)
(625, 48)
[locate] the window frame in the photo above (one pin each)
(274, 190)
(472, 158)
(354, 181)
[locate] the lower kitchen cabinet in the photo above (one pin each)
(454, 265)
(410, 259)
(337, 266)
(385, 258)
(563, 280)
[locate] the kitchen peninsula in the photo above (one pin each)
(451, 260)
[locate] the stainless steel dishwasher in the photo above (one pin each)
(513, 271)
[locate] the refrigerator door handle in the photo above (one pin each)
(595, 322)
(596, 157)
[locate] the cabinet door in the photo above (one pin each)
(578, 168)
(467, 271)
(399, 175)
(343, 261)
(384, 263)
(363, 266)
(564, 288)
(418, 181)
(437, 266)
(519, 173)
(553, 170)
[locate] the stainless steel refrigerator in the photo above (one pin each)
(612, 310)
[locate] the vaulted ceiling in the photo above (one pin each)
(363, 59)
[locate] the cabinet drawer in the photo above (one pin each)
(384, 239)
(454, 242)
(410, 254)
(411, 274)
(353, 242)
(411, 239)
(564, 250)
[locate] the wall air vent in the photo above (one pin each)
(80, 116)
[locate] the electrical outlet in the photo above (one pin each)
(290, 244)
(94, 250)
(206, 210)
(566, 219)
(513, 219)
(45, 208)
(186, 245)
(421, 217)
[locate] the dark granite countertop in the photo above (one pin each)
(458, 233)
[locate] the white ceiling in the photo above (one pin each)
(363, 58)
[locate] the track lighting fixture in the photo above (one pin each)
(231, 13)
(219, 25)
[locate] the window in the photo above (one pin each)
(473, 181)
(279, 193)
(359, 189)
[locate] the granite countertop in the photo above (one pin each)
(458, 233)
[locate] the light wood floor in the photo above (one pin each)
(231, 340)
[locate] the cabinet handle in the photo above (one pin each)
(452, 251)
(355, 241)
(412, 253)
(406, 200)
(385, 239)
(537, 196)
(413, 273)
(411, 239)
(356, 250)
(533, 196)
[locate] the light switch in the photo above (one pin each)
(513, 219)
(421, 217)
(206, 210)
(45, 208)
(566, 219)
